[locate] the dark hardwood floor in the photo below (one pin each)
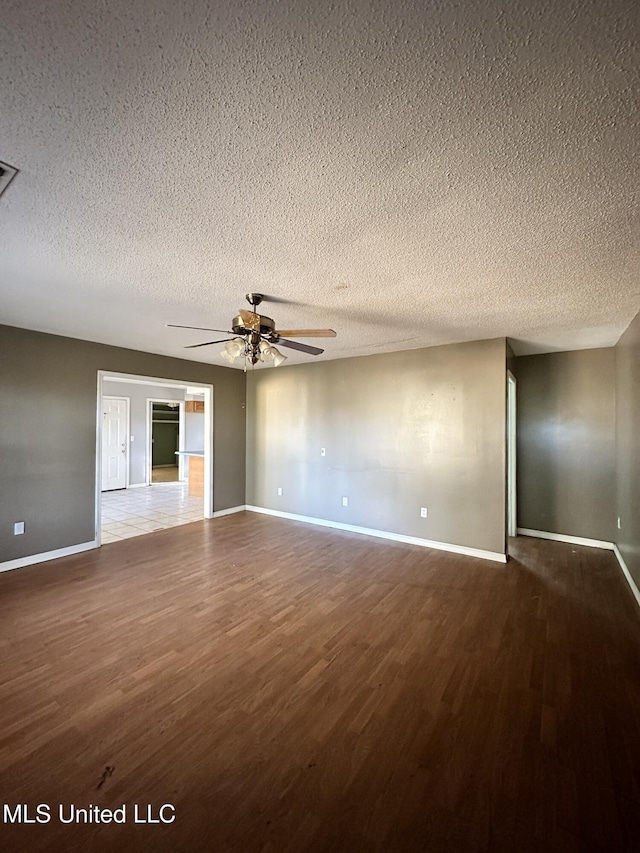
(291, 688)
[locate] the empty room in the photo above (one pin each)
(319, 427)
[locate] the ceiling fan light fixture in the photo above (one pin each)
(278, 358)
(234, 347)
(254, 334)
(266, 350)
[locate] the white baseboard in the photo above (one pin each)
(47, 555)
(560, 537)
(627, 574)
(383, 534)
(590, 543)
(220, 512)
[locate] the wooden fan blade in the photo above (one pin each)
(307, 333)
(250, 319)
(207, 344)
(302, 347)
(199, 329)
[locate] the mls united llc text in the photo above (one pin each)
(44, 813)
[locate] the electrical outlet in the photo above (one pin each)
(18, 528)
(279, 491)
(619, 524)
(345, 501)
(423, 512)
(323, 451)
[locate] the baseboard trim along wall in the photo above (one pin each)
(560, 537)
(590, 543)
(220, 512)
(47, 555)
(627, 574)
(495, 556)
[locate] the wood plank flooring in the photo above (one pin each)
(291, 688)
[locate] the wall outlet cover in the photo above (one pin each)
(423, 512)
(323, 451)
(18, 528)
(345, 501)
(279, 491)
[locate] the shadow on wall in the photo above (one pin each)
(566, 443)
(539, 439)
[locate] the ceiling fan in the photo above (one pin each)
(255, 336)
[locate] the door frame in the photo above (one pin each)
(137, 379)
(512, 495)
(127, 400)
(149, 438)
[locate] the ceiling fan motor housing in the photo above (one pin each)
(267, 327)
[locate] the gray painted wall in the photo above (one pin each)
(138, 396)
(628, 446)
(401, 430)
(566, 442)
(194, 431)
(48, 401)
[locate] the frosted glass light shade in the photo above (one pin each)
(278, 358)
(234, 347)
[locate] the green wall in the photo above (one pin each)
(401, 430)
(165, 444)
(566, 425)
(48, 403)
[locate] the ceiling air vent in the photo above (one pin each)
(7, 173)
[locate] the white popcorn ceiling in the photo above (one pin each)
(407, 173)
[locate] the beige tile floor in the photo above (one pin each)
(132, 512)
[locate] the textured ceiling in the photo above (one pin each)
(408, 173)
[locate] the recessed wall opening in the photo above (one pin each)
(154, 454)
(512, 509)
(166, 438)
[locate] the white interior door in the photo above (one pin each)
(115, 441)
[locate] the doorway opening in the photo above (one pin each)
(127, 406)
(512, 504)
(165, 441)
